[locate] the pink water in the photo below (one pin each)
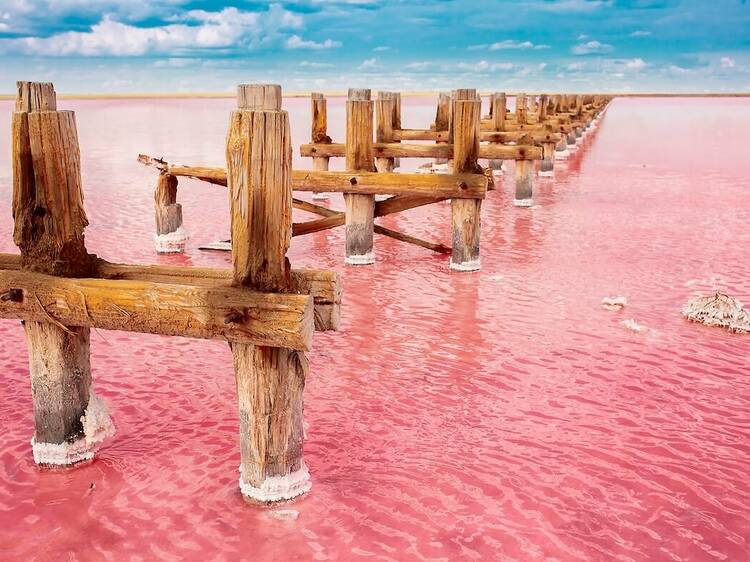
(503, 415)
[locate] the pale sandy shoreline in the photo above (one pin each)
(227, 95)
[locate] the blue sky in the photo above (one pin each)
(203, 45)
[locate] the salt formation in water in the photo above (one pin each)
(633, 326)
(278, 488)
(718, 309)
(614, 303)
(172, 242)
(97, 426)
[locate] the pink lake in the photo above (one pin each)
(500, 415)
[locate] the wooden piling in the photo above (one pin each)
(270, 381)
(521, 109)
(70, 421)
(360, 208)
(524, 183)
(385, 116)
(466, 213)
(498, 109)
(442, 119)
(170, 234)
(320, 134)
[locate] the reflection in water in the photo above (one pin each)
(494, 415)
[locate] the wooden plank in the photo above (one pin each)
(218, 311)
(403, 150)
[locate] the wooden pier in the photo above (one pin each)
(541, 129)
(266, 310)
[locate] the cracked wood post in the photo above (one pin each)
(442, 119)
(270, 381)
(466, 213)
(170, 235)
(498, 107)
(319, 107)
(69, 420)
(521, 109)
(543, 103)
(385, 115)
(360, 208)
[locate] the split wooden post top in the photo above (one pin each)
(70, 421)
(466, 213)
(360, 209)
(319, 134)
(270, 380)
(498, 106)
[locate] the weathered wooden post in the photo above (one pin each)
(270, 380)
(70, 420)
(442, 119)
(397, 122)
(521, 109)
(498, 108)
(524, 179)
(360, 209)
(320, 134)
(543, 102)
(171, 235)
(466, 213)
(385, 109)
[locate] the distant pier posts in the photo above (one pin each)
(270, 380)
(69, 420)
(360, 208)
(320, 135)
(466, 213)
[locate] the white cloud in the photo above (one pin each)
(225, 30)
(296, 42)
(313, 64)
(422, 65)
(636, 64)
(513, 44)
(727, 62)
(674, 69)
(368, 64)
(591, 48)
(381, 49)
(640, 33)
(571, 5)
(174, 62)
(484, 66)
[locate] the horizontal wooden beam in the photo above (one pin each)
(459, 186)
(485, 136)
(404, 150)
(323, 285)
(225, 312)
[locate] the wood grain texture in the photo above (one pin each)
(404, 150)
(215, 310)
(466, 213)
(270, 380)
(49, 231)
(260, 193)
(359, 157)
(259, 96)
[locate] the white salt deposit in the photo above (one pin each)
(278, 488)
(633, 326)
(171, 243)
(720, 310)
(614, 303)
(97, 426)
